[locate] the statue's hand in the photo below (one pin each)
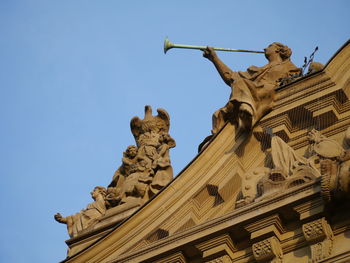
(209, 53)
(59, 218)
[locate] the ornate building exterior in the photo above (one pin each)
(272, 184)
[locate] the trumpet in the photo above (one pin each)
(168, 45)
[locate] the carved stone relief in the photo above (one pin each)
(334, 165)
(144, 171)
(324, 158)
(320, 236)
(288, 170)
(268, 250)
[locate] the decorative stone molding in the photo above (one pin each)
(310, 208)
(174, 258)
(218, 246)
(271, 225)
(268, 250)
(320, 236)
(223, 259)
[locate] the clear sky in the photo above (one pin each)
(74, 72)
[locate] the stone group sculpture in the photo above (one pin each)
(145, 167)
(144, 171)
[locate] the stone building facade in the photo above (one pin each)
(277, 193)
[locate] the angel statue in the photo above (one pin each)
(252, 92)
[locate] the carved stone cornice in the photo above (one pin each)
(177, 257)
(236, 217)
(221, 245)
(223, 259)
(271, 225)
(309, 208)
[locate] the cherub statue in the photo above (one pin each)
(164, 171)
(87, 217)
(129, 162)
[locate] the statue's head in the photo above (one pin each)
(131, 151)
(284, 51)
(99, 190)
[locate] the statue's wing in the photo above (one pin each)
(135, 125)
(164, 119)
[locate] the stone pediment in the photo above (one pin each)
(231, 182)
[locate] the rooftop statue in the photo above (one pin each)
(252, 92)
(87, 217)
(144, 171)
(146, 167)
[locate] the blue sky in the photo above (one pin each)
(73, 73)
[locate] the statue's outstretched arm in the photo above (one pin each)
(224, 71)
(59, 218)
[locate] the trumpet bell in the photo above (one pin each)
(167, 45)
